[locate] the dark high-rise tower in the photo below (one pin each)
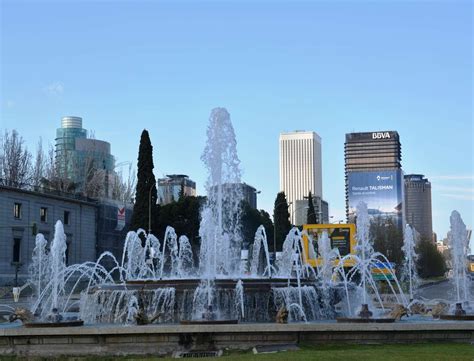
(418, 204)
(374, 175)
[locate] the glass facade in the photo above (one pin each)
(418, 204)
(77, 155)
(374, 175)
(382, 191)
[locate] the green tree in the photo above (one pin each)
(281, 219)
(431, 262)
(181, 193)
(311, 214)
(266, 220)
(146, 194)
(184, 216)
(388, 239)
(251, 220)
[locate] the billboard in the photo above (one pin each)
(120, 218)
(382, 191)
(342, 237)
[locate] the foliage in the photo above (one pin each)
(388, 239)
(311, 215)
(281, 218)
(251, 219)
(431, 262)
(184, 216)
(266, 220)
(146, 193)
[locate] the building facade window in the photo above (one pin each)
(16, 250)
(44, 214)
(67, 217)
(17, 210)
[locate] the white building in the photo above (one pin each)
(300, 171)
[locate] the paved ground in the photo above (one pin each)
(443, 290)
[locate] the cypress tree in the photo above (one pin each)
(281, 219)
(311, 214)
(146, 193)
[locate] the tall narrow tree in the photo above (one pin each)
(145, 208)
(281, 219)
(311, 215)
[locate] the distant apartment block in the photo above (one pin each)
(169, 188)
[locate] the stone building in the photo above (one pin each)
(91, 227)
(24, 213)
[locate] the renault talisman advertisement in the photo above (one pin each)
(382, 191)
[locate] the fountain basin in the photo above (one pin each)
(209, 322)
(73, 323)
(364, 320)
(457, 317)
(220, 283)
(176, 300)
(113, 340)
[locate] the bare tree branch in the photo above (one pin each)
(15, 159)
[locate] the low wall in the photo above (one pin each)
(160, 340)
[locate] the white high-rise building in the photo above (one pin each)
(300, 171)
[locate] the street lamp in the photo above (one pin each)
(386, 226)
(274, 224)
(256, 192)
(149, 207)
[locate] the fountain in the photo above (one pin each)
(459, 243)
(227, 286)
(157, 280)
(365, 261)
(410, 273)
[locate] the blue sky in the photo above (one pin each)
(331, 67)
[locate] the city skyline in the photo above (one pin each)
(167, 71)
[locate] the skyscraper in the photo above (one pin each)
(79, 157)
(418, 204)
(300, 171)
(374, 174)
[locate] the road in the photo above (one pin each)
(443, 290)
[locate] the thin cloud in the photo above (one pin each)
(459, 196)
(9, 104)
(453, 177)
(55, 89)
(455, 189)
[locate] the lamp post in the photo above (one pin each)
(387, 226)
(149, 207)
(274, 224)
(256, 192)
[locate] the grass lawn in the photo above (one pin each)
(418, 352)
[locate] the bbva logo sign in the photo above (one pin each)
(381, 135)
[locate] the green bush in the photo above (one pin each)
(431, 262)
